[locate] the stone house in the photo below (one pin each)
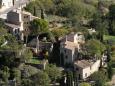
(70, 46)
(6, 3)
(18, 23)
(84, 68)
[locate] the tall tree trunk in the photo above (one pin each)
(35, 14)
(42, 14)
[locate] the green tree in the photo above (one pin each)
(53, 72)
(69, 78)
(112, 19)
(54, 56)
(39, 26)
(28, 71)
(13, 56)
(27, 82)
(32, 8)
(100, 23)
(70, 8)
(109, 57)
(2, 25)
(112, 12)
(5, 74)
(59, 32)
(75, 76)
(94, 47)
(99, 77)
(26, 55)
(3, 33)
(37, 5)
(41, 79)
(47, 5)
(17, 75)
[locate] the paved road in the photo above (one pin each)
(18, 4)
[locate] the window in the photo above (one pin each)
(79, 76)
(90, 67)
(25, 16)
(66, 57)
(15, 31)
(18, 30)
(85, 74)
(26, 29)
(65, 51)
(27, 22)
(77, 69)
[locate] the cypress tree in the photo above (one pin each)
(110, 71)
(35, 14)
(69, 78)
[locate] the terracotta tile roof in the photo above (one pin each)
(70, 37)
(69, 41)
(70, 45)
(84, 63)
(12, 25)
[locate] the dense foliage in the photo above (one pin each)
(39, 26)
(99, 78)
(94, 47)
(53, 72)
(79, 15)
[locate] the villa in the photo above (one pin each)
(70, 46)
(19, 23)
(84, 68)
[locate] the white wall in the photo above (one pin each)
(79, 38)
(95, 66)
(91, 70)
(7, 3)
(86, 72)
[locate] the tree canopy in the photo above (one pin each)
(59, 32)
(94, 47)
(99, 78)
(39, 26)
(53, 72)
(41, 79)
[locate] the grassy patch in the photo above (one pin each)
(113, 56)
(108, 37)
(35, 61)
